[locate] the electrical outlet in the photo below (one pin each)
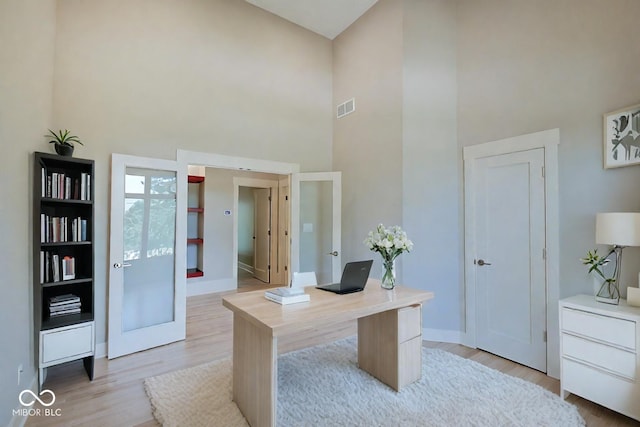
(19, 372)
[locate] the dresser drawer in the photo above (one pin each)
(603, 328)
(65, 344)
(613, 392)
(409, 361)
(409, 323)
(612, 359)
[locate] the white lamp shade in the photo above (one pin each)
(618, 228)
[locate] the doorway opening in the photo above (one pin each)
(262, 230)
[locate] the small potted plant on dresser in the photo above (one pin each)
(63, 142)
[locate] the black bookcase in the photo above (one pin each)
(63, 261)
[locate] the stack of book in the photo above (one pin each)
(287, 295)
(64, 304)
(57, 185)
(54, 229)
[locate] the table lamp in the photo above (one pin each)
(620, 229)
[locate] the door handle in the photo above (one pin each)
(121, 265)
(481, 262)
(334, 253)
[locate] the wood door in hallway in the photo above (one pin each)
(262, 230)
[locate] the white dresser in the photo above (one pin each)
(599, 355)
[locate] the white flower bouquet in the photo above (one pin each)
(390, 243)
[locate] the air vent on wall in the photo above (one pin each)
(346, 107)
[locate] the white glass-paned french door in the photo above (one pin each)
(147, 280)
(316, 210)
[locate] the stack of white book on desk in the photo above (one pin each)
(286, 295)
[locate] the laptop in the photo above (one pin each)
(354, 278)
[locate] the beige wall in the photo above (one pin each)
(530, 66)
(431, 180)
(27, 33)
(367, 144)
(398, 151)
(218, 228)
(148, 77)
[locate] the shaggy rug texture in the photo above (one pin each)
(322, 386)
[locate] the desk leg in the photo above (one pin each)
(390, 346)
(255, 372)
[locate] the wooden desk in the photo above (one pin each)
(389, 338)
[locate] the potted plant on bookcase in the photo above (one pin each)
(63, 142)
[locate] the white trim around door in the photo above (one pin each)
(219, 161)
(549, 141)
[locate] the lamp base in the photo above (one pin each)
(606, 300)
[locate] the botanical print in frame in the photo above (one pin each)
(622, 137)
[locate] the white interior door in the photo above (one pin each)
(509, 256)
(147, 280)
(316, 209)
(262, 233)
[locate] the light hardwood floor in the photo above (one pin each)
(116, 396)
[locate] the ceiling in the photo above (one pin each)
(325, 17)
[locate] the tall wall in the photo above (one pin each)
(367, 144)
(148, 77)
(27, 34)
(431, 179)
(398, 151)
(529, 66)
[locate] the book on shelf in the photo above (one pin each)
(57, 185)
(63, 307)
(64, 299)
(42, 266)
(43, 182)
(85, 186)
(285, 300)
(62, 229)
(64, 304)
(68, 268)
(63, 312)
(54, 268)
(47, 267)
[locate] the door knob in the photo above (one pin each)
(121, 265)
(334, 253)
(482, 262)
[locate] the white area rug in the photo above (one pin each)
(322, 386)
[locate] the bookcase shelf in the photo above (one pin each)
(54, 244)
(195, 226)
(50, 200)
(194, 272)
(67, 282)
(63, 262)
(66, 320)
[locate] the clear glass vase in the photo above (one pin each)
(609, 292)
(388, 274)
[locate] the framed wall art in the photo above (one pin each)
(622, 137)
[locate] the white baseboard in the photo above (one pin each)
(442, 335)
(211, 286)
(19, 420)
(245, 267)
(101, 350)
